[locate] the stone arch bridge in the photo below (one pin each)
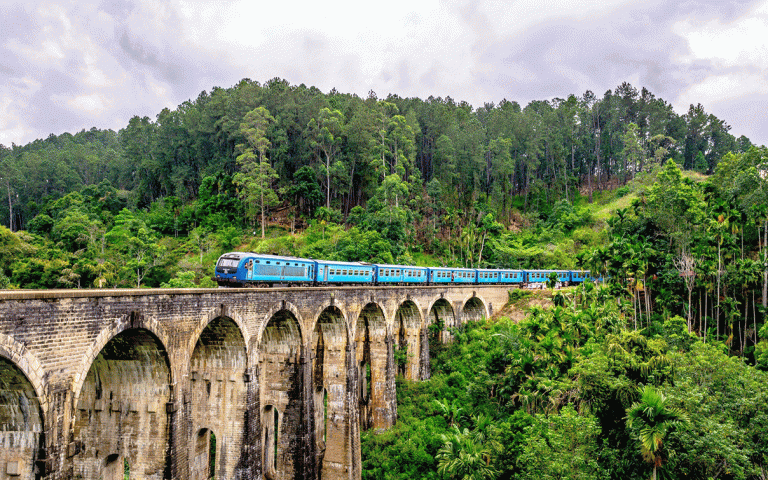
(201, 383)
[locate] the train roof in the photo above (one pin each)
(267, 256)
(351, 264)
(386, 265)
(453, 268)
(500, 270)
(234, 254)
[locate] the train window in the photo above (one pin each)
(258, 261)
(268, 262)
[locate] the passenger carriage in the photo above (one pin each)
(511, 276)
(578, 276)
(400, 274)
(541, 276)
(332, 272)
(447, 275)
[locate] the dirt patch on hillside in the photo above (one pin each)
(521, 301)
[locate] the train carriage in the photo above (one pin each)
(400, 274)
(487, 276)
(344, 272)
(541, 276)
(578, 276)
(443, 275)
(511, 276)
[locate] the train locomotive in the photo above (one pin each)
(241, 269)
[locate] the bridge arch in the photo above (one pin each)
(203, 460)
(329, 344)
(218, 390)
(275, 310)
(25, 361)
(441, 313)
(473, 309)
(219, 312)
(118, 326)
(22, 418)
(122, 415)
(281, 393)
(371, 358)
(407, 339)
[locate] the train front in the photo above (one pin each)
(226, 274)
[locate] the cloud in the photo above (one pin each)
(65, 67)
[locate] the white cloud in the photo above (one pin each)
(94, 104)
(103, 59)
(740, 43)
(12, 127)
(722, 88)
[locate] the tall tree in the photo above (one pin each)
(327, 131)
(256, 176)
(650, 419)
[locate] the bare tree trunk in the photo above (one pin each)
(765, 267)
(262, 213)
(706, 298)
(327, 181)
(10, 204)
(754, 315)
(719, 266)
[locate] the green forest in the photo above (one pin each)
(659, 371)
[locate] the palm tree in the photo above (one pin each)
(651, 419)
(462, 457)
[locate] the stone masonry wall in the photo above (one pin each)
(94, 380)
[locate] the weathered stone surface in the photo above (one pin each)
(245, 383)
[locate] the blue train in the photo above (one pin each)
(239, 269)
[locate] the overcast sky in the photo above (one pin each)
(69, 65)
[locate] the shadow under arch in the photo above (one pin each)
(329, 344)
(218, 393)
(122, 408)
(21, 419)
(282, 389)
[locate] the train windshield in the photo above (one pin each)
(228, 262)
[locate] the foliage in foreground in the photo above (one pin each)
(571, 392)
